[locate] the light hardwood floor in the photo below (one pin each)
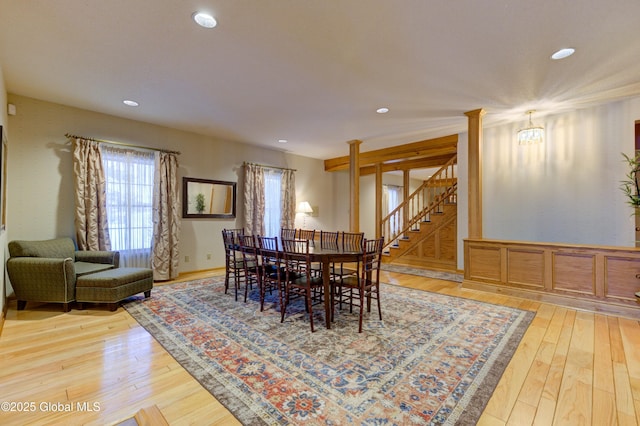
(572, 367)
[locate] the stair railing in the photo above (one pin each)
(429, 198)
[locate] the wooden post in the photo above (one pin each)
(405, 196)
(378, 200)
(475, 172)
(354, 185)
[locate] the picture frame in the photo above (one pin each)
(205, 198)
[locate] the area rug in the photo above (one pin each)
(434, 359)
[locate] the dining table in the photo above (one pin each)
(326, 257)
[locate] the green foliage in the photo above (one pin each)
(200, 203)
(630, 185)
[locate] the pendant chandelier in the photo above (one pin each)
(531, 134)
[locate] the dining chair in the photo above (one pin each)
(251, 264)
(273, 273)
(299, 279)
(306, 234)
(329, 239)
(366, 284)
(234, 267)
(287, 234)
(349, 241)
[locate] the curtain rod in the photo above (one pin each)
(70, 136)
(269, 167)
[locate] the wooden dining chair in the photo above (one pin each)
(306, 234)
(273, 273)
(366, 284)
(329, 239)
(287, 234)
(250, 263)
(349, 241)
(234, 267)
(299, 279)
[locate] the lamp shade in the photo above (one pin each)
(304, 207)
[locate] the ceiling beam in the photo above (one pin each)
(418, 163)
(426, 148)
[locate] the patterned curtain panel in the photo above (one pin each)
(253, 199)
(166, 218)
(92, 231)
(288, 199)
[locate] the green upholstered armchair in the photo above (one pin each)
(46, 271)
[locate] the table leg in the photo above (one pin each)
(326, 281)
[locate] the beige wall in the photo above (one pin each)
(3, 234)
(40, 203)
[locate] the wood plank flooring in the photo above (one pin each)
(100, 367)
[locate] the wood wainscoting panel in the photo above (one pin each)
(448, 235)
(597, 278)
(620, 277)
(525, 267)
(574, 272)
(484, 263)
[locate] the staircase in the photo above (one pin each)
(422, 231)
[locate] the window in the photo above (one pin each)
(272, 202)
(391, 198)
(129, 183)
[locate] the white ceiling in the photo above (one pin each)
(314, 71)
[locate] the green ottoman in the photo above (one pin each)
(113, 285)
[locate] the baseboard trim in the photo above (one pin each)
(598, 307)
(5, 306)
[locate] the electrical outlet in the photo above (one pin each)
(208, 256)
(186, 258)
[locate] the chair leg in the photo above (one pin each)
(236, 283)
(310, 309)
(262, 295)
(361, 292)
(22, 304)
(284, 301)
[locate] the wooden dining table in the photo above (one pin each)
(326, 257)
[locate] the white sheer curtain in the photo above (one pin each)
(272, 202)
(391, 198)
(129, 178)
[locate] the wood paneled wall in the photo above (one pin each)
(597, 278)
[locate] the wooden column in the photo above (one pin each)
(378, 200)
(354, 185)
(475, 172)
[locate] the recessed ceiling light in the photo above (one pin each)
(130, 103)
(282, 141)
(204, 20)
(563, 53)
(382, 110)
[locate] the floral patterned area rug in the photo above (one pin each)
(434, 359)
